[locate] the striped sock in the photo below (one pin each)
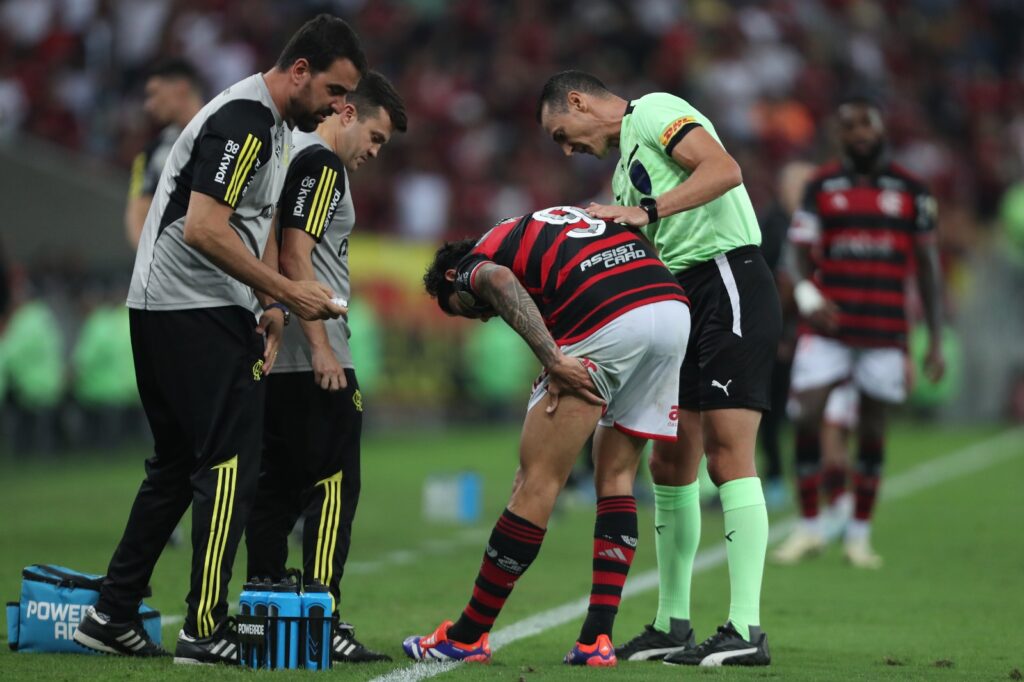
(513, 546)
(615, 532)
(867, 477)
(808, 470)
(833, 482)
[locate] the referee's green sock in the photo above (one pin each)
(746, 532)
(677, 535)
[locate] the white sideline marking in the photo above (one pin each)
(404, 556)
(967, 460)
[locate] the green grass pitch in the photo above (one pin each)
(947, 605)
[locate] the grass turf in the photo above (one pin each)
(944, 607)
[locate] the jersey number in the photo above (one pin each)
(570, 214)
(343, 249)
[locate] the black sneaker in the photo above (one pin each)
(98, 633)
(726, 647)
(654, 645)
(345, 648)
(219, 647)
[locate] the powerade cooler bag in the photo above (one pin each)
(54, 600)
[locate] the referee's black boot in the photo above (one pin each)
(726, 647)
(345, 648)
(220, 647)
(98, 633)
(655, 645)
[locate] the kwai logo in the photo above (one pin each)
(230, 152)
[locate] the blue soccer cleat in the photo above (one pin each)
(600, 653)
(437, 647)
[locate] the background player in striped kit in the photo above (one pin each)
(174, 95)
(199, 354)
(864, 224)
(676, 182)
(582, 293)
(314, 415)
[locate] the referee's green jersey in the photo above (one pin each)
(651, 128)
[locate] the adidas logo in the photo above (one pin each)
(344, 647)
(612, 553)
(224, 649)
(132, 640)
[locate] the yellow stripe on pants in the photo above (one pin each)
(220, 523)
(329, 513)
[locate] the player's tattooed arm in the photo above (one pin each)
(499, 287)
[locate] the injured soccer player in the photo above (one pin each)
(611, 334)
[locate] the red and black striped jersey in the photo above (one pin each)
(580, 271)
(862, 231)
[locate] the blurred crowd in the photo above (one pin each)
(67, 379)
(950, 75)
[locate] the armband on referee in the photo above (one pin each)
(808, 299)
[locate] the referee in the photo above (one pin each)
(676, 182)
(314, 416)
(174, 95)
(200, 355)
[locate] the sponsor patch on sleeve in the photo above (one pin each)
(674, 127)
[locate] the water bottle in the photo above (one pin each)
(253, 602)
(317, 608)
(246, 608)
(286, 605)
(453, 497)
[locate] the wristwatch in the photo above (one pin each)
(650, 207)
(283, 308)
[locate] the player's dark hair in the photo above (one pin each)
(446, 257)
(861, 98)
(376, 92)
(177, 69)
(321, 41)
(556, 91)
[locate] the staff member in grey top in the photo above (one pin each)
(200, 357)
(314, 414)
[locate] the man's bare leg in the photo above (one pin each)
(548, 448)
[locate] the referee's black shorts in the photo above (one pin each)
(736, 323)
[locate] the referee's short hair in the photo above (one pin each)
(376, 92)
(556, 91)
(321, 41)
(177, 69)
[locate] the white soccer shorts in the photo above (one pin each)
(877, 372)
(843, 406)
(634, 362)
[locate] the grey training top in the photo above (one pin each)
(317, 200)
(233, 150)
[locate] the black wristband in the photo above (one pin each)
(283, 308)
(650, 207)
